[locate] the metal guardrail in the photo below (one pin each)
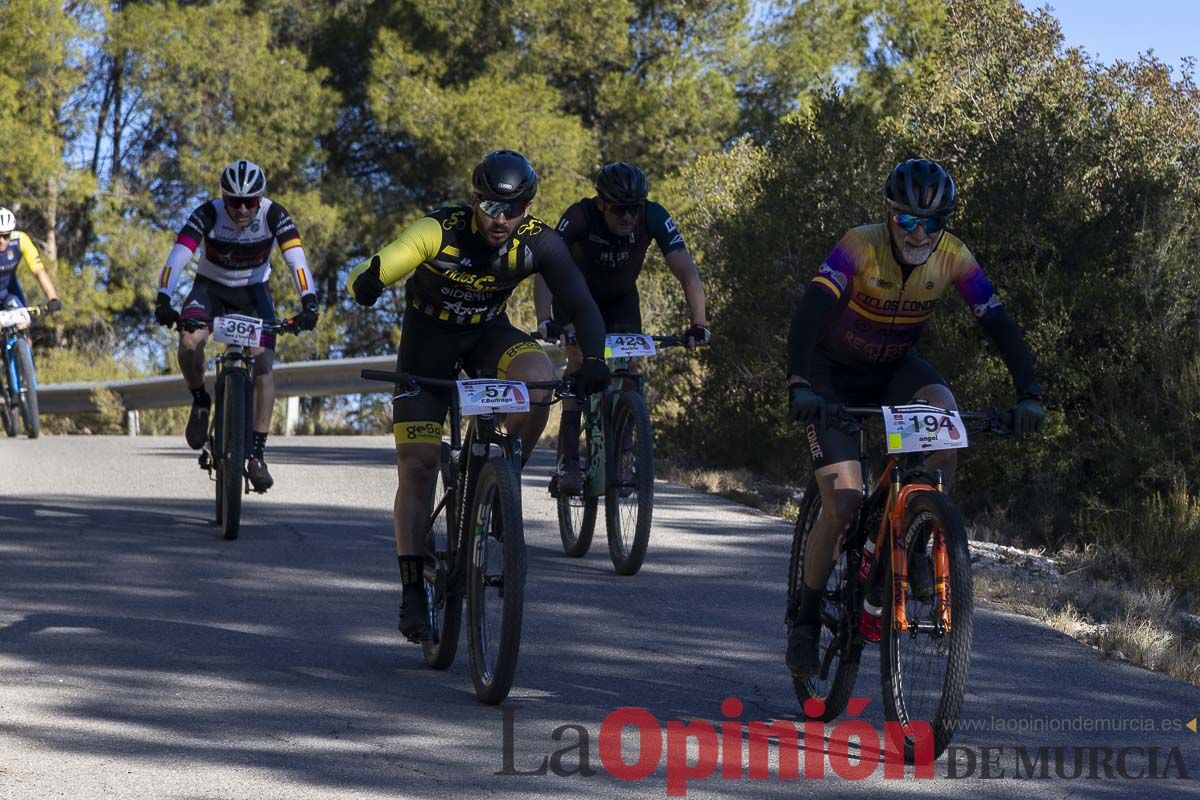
(307, 378)
(292, 381)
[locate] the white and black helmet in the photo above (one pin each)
(243, 179)
(8, 221)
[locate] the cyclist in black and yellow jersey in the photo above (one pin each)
(464, 262)
(851, 341)
(17, 250)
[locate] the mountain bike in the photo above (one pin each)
(18, 394)
(622, 474)
(476, 534)
(231, 426)
(924, 632)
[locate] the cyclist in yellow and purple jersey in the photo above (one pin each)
(851, 341)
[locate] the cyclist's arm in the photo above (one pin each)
(825, 292)
(543, 298)
(280, 223)
(977, 291)
(418, 243)
(190, 236)
(684, 269)
(32, 259)
(571, 291)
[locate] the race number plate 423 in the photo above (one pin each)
(13, 316)
(237, 329)
(918, 428)
(628, 345)
(487, 396)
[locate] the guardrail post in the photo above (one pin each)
(292, 417)
(133, 422)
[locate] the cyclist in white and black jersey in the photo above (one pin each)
(237, 232)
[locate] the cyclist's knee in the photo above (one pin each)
(938, 394)
(844, 505)
(193, 341)
(417, 462)
(264, 365)
(574, 357)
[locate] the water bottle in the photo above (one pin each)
(869, 623)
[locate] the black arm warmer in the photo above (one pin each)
(1001, 329)
(806, 328)
(572, 295)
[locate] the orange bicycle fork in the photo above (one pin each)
(891, 528)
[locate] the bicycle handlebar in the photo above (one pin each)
(997, 422)
(568, 338)
(289, 325)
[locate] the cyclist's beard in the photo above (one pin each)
(916, 255)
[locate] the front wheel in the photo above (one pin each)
(924, 668)
(629, 495)
(495, 579)
(231, 455)
(445, 601)
(577, 512)
(28, 390)
(840, 648)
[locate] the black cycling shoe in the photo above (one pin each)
(197, 426)
(414, 614)
(803, 645)
(259, 475)
(920, 575)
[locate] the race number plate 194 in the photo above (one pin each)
(487, 396)
(917, 428)
(237, 329)
(13, 316)
(628, 345)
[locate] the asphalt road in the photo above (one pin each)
(141, 656)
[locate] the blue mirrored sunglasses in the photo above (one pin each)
(910, 223)
(510, 209)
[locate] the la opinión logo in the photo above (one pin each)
(697, 750)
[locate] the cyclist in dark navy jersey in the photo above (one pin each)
(609, 235)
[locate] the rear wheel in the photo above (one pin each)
(28, 390)
(577, 512)
(445, 601)
(840, 648)
(629, 496)
(495, 579)
(924, 668)
(231, 457)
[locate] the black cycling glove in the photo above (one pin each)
(306, 320)
(163, 313)
(367, 286)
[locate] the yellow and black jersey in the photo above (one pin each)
(461, 280)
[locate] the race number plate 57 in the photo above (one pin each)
(628, 345)
(487, 396)
(237, 329)
(918, 428)
(13, 316)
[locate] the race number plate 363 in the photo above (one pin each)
(237, 329)
(919, 428)
(628, 345)
(487, 396)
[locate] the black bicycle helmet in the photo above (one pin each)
(921, 187)
(505, 175)
(621, 183)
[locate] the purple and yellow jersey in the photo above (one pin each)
(879, 314)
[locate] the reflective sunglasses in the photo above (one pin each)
(624, 210)
(242, 202)
(509, 208)
(910, 223)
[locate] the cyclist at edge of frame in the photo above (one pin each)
(236, 231)
(851, 341)
(16, 248)
(608, 235)
(464, 262)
